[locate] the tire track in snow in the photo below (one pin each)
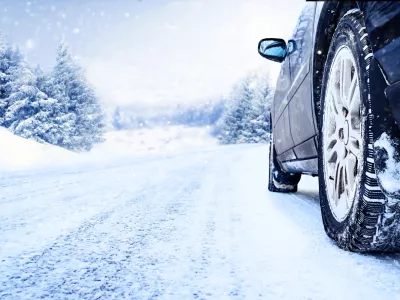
(141, 235)
(186, 229)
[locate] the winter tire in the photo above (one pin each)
(355, 212)
(280, 181)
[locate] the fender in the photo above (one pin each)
(383, 122)
(382, 21)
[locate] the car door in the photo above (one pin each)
(302, 120)
(283, 140)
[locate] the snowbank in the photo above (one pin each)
(18, 153)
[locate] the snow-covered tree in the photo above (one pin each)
(258, 118)
(116, 119)
(246, 116)
(60, 108)
(238, 106)
(41, 126)
(80, 117)
(23, 95)
(10, 61)
(19, 94)
(20, 98)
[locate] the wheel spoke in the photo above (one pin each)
(333, 101)
(339, 117)
(355, 100)
(345, 78)
(335, 149)
(339, 183)
(341, 81)
(353, 146)
(333, 153)
(352, 90)
(351, 172)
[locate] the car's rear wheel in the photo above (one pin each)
(355, 212)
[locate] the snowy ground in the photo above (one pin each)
(195, 225)
(17, 153)
(168, 139)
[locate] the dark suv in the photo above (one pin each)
(335, 115)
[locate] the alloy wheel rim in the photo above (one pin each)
(342, 134)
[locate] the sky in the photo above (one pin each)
(152, 53)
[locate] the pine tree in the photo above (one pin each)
(60, 108)
(23, 95)
(246, 115)
(80, 118)
(10, 61)
(233, 121)
(21, 101)
(20, 95)
(38, 71)
(41, 126)
(116, 119)
(50, 113)
(258, 119)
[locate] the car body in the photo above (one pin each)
(295, 106)
(337, 96)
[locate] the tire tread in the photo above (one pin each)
(375, 225)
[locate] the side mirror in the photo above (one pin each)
(272, 49)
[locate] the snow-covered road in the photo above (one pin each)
(198, 225)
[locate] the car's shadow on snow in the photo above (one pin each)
(303, 208)
(311, 197)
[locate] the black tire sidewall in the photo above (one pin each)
(346, 34)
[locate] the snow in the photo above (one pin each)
(198, 224)
(390, 177)
(154, 140)
(30, 44)
(22, 154)
(351, 11)
(19, 153)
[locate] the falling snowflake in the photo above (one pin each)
(76, 30)
(29, 44)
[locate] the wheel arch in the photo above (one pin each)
(326, 22)
(329, 16)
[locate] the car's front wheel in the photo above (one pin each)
(355, 212)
